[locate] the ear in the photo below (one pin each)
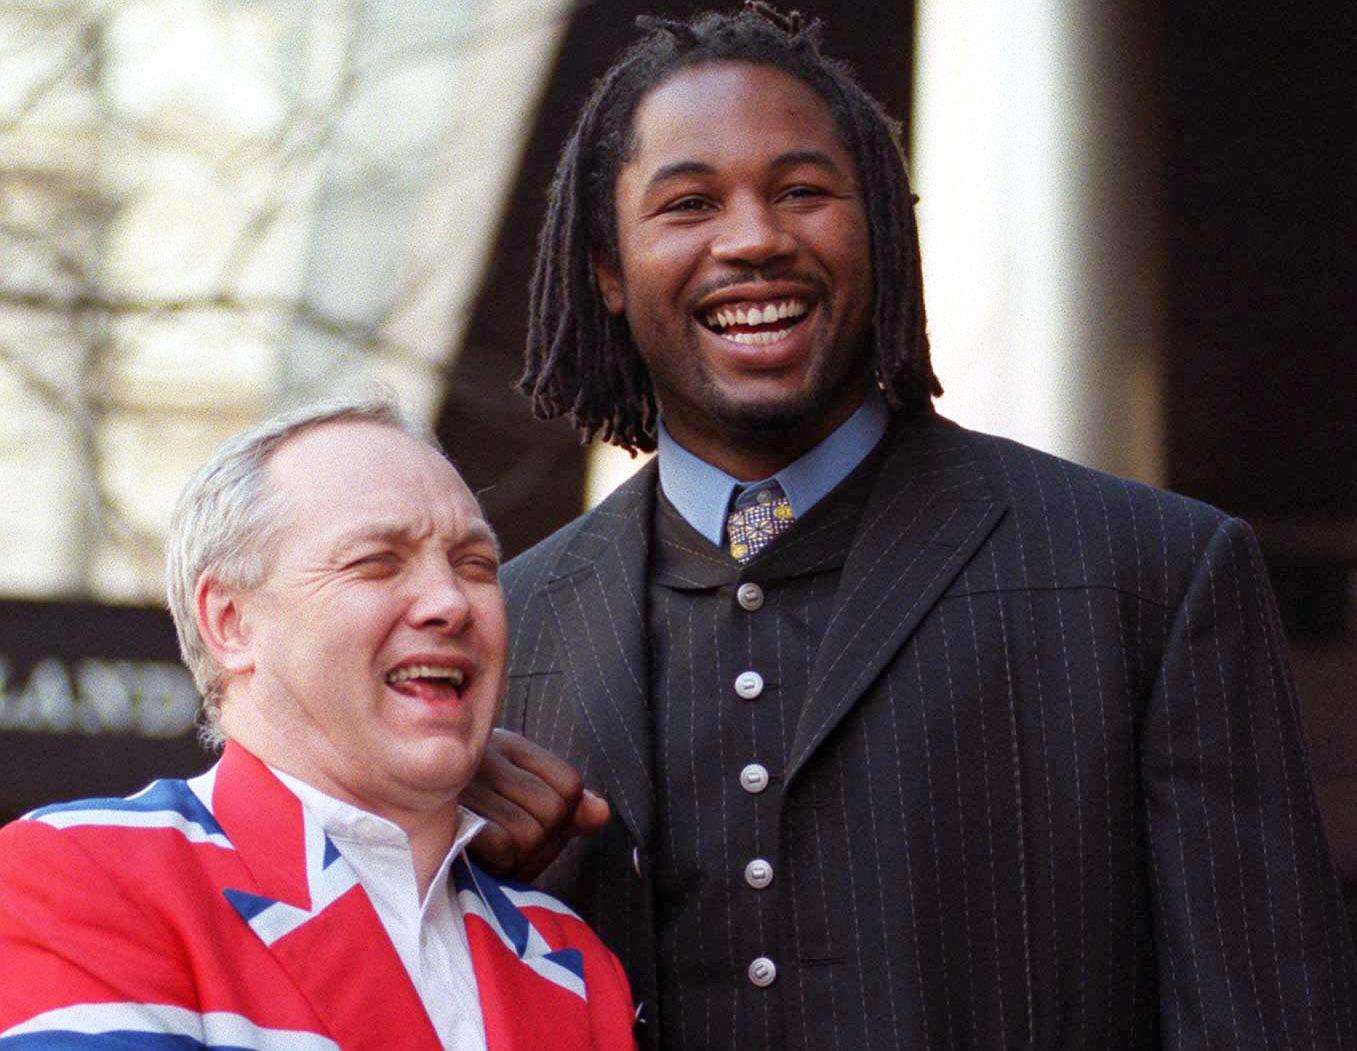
(222, 626)
(609, 277)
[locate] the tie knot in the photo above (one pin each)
(759, 514)
(767, 493)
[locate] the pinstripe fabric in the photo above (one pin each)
(1046, 787)
(710, 923)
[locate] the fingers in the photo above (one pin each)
(533, 803)
(493, 847)
(528, 758)
(592, 813)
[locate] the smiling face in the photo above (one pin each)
(743, 264)
(374, 651)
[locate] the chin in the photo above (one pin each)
(762, 408)
(444, 767)
(769, 417)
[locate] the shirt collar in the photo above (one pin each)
(701, 492)
(351, 824)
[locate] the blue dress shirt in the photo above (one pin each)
(701, 493)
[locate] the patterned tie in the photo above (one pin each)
(758, 516)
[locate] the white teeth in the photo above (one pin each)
(724, 317)
(426, 671)
(756, 338)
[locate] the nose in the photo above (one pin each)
(439, 601)
(752, 234)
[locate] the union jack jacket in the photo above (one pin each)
(160, 922)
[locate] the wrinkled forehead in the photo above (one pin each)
(340, 475)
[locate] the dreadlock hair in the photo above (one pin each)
(580, 359)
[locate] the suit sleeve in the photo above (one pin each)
(80, 959)
(1252, 942)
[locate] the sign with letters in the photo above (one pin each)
(93, 696)
(93, 701)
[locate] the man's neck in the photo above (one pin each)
(758, 450)
(429, 823)
(701, 492)
(429, 834)
(431, 837)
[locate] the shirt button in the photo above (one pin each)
(762, 971)
(749, 596)
(758, 873)
(749, 684)
(754, 778)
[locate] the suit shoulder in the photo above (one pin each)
(166, 804)
(524, 572)
(1072, 525)
(1029, 476)
(61, 851)
(612, 520)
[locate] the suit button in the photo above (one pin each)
(762, 971)
(758, 873)
(754, 778)
(749, 684)
(749, 596)
(636, 859)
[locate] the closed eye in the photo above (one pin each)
(376, 562)
(479, 567)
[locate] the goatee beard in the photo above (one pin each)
(768, 424)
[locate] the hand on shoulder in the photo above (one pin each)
(534, 803)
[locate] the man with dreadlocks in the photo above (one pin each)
(913, 737)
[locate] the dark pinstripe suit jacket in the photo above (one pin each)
(1054, 751)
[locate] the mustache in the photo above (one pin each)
(759, 276)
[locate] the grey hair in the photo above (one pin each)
(227, 520)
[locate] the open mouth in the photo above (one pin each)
(429, 682)
(756, 323)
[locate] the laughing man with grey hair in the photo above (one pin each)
(336, 592)
(226, 520)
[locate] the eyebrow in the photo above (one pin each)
(816, 158)
(676, 169)
(479, 531)
(790, 159)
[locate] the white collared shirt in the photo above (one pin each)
(429, 935)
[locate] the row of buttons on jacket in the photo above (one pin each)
(754, 779)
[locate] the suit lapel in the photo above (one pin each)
(597, 596)
(306, 905)
(532, 995)
(929, 510)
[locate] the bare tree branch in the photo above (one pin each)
(48, 392)
(80, 168)
(38, 93)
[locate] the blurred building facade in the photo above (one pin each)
(211, 209)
